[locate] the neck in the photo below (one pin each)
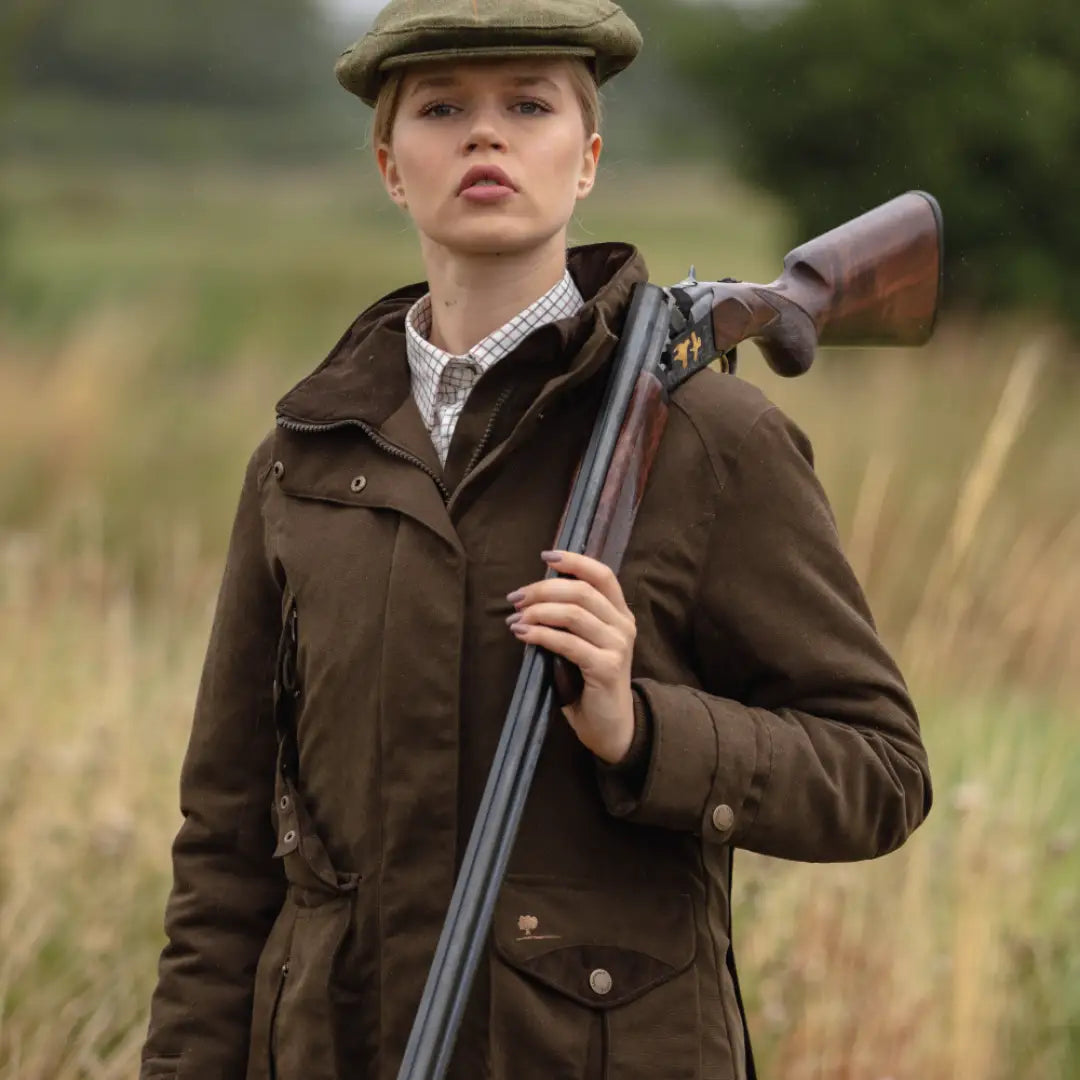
(473, 295)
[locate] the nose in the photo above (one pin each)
(484, 134)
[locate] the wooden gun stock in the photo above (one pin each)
(875, 280)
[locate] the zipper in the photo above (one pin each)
(390, 448)
(274, 1020)
(480, 446)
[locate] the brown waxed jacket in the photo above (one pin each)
(372, 583)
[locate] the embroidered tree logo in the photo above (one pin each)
(528, 925)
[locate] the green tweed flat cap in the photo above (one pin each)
(413, 31)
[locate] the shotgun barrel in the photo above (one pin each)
(431, 1042)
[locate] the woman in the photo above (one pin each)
(385, 568)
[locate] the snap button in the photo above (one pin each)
(600, 981)
(723, 818)
(359, 484)
(279, 469)
(289, 837)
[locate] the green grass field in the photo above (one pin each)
(149, 320)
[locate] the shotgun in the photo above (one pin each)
(875, 280)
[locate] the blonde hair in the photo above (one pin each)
(581, 80)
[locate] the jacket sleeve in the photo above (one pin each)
(227, 888)
(802, 741)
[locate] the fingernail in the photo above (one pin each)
(551, 556)
(512, 619)
(516, 597)
(520, 628)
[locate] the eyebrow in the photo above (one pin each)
(440, 82)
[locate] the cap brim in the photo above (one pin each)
(486, 52)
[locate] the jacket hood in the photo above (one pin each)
(366, 374)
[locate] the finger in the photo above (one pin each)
(577, 650)
(575, 620)
(599, 575)
(569, 591)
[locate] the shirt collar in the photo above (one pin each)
(365, 376)
(428, 363)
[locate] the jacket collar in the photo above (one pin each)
(366, 375)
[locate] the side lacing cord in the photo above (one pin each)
(287, 690)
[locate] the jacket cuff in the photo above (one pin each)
(632, 769)
(687, 784)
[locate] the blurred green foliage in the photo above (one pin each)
(256, 53)
(836, 105)
(152, 80)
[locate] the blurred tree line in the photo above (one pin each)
(165, 80)
(230, 53)
(836, 105)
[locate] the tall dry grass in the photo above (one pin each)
(958, 956)
(96, 689)
(129, 416)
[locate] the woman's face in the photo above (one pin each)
(519, 117)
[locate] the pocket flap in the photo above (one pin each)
(600, 947)
(345, 468)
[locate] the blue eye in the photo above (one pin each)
(437, 108)
(532, 108)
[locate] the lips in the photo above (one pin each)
(485, 172)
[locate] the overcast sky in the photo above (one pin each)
(355, 7)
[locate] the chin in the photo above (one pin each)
(495, 237)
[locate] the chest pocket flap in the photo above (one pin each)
(344, 466)
(600, 948)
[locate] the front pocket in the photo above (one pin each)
(269, 976)
(282, 975)
(303, 1033)
(596, 983)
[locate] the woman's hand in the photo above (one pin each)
(584, 618)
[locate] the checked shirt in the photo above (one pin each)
(441, 382)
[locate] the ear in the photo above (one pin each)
(391, 176)
(590, 161)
